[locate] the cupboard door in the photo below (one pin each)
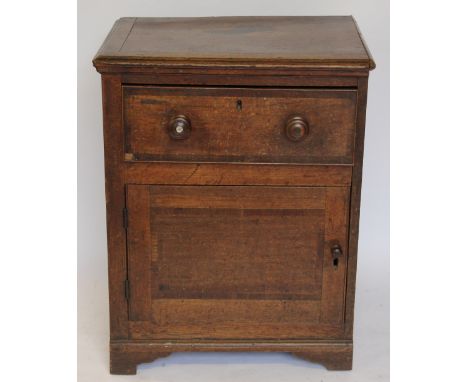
(225, 262)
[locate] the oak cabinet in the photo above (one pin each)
(233, 153)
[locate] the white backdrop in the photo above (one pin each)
(95, 18)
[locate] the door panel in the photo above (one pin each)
(236, 261)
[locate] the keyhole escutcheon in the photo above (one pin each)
(337, 252)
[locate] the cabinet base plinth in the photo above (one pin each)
(339, 360)
(125, 356)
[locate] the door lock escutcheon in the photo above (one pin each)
(337, 252)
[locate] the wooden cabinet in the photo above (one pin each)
(233, 152)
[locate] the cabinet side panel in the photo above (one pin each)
(355, 206)
(115, 202)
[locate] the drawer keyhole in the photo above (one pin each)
(239, 105)
(335, 263)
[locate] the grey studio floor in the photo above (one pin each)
(371, 343)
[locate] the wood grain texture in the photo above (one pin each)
(165, 70)
(355, 208)
(254, 132)
(248, 264)
(320, 42)
(334, 274)
(168, 312)
(117, 35)
(115, 202)
(139, 252)
(236, 245)
(237, 174)
(223, 328)
(261, 78)
(238, 198)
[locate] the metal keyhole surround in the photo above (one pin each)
(337, 252)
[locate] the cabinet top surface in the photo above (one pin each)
(331, 42)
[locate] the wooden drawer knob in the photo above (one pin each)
(179, 127)
(297, 128)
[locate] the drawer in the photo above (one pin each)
(239, 124)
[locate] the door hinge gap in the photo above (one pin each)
(125, 218)
(127, 289)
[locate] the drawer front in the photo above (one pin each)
(239, 125)
(236, 261)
